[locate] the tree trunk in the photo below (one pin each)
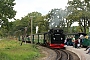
(84, 26)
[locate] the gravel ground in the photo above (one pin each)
(49, 54)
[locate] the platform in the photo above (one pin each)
(80, 52)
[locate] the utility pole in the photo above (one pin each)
(31, 29)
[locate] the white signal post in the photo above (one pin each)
(36, 29)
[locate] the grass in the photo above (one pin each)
(11, 50)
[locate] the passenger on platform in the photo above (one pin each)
(69, 43)
(78, 45)
(73, 41)
(81, 39)
(86, 36)
(76, 42)
(65, 42)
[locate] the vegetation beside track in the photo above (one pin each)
(11, 50)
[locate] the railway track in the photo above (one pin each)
(62, 54)
(65, 55)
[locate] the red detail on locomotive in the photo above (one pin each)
(56, 45)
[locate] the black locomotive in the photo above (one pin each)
(54, 38)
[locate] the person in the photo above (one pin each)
(81, 39)
(69, 41)
(88, 50)
(76, 42)
(73, 41)
(65, 41)
(78, 45)
(86, 36)
(22, 40)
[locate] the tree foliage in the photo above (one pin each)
(76, 11)
(80, 11)
(6, 13)
(18, 26)
(6, 9)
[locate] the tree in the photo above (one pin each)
(80, 12)
(6, 13)
(38, 20)
(6, 10)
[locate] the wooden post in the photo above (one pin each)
(31, 29)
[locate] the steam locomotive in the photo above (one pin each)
(54, 38)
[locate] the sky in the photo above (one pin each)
(23, 7)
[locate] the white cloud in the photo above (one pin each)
(23, 7)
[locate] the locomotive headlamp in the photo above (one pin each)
(53, 38)
(61, 38)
